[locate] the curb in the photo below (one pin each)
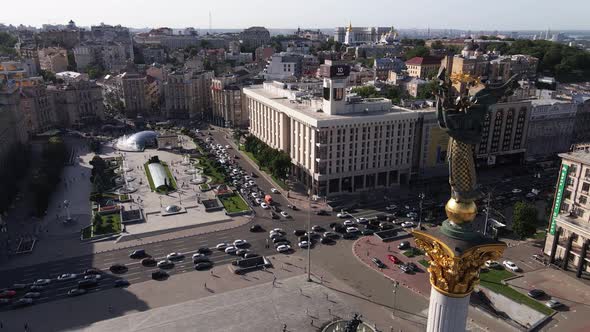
(354, 251)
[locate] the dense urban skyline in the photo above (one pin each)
(458, 14)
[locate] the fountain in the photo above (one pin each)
(198, 177)
(126, 189)
(186, 160)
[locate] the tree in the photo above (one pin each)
(368, 91)
(7, 42)
(524, 220)
(437, 45)
(426, 91)
(420, 51)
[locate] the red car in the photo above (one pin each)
(7, 294)
(394, 259)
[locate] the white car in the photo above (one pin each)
(303, 244)
(277, 230)
(264, 206)
(492, 264)
(516, 191)
(222, 246)
(174, 255)
(412, 215)
(228, 147)
(391, 207)
(349, 222)
(342, 214)
(67, 276)
(283, 248)
(352, 230)
(231, 250)
(255, 195)
(285, 214)
(511, 266)
(408, 224)
(258, 201)
(252, 183)
(531, 195)
(362, 220)
(274, 190)
(93, 277)
(198, 255)
(238, 242)
(247, 177)
(42, 282)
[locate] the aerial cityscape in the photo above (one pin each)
(179, 173)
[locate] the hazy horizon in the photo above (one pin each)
(503, 15)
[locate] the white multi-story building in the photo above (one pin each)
(357, 35)
(551, 128)
(337, 144)
(84, 55)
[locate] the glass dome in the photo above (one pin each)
(138, 141)
(172, 208)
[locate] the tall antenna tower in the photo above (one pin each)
(210, 21)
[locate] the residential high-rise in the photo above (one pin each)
(337, 144)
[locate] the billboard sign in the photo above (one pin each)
(558, 198)
(335, 71)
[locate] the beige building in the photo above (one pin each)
(337, 144)
(134, 88)
(53, 59)
(504, 133)
(421, 67)
(569, 225)
(226, 100)
(188, 94)
(12, 124)
(38, 109)
(77, 103)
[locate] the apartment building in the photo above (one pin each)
(77, 103)
(422, 67)
(337, 144)
(187, 94)
(226, 100)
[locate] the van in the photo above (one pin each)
(87, 283)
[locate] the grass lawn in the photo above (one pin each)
(110, 223)
(280, 182)
(413, 252)
(424, 262)
(149, 176)
(215, 174)
(492, 280)
(87, 232)
(540, 235)
(233, 203)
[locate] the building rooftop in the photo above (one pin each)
(581, 156)
(421, 61)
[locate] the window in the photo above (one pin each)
(585, 187)
(583, 199)
(338, 93)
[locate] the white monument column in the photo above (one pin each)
(446, 313)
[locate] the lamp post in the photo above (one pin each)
(309, 237)
(421, 196)
(67, 207)
(160, 197)
(395, 286)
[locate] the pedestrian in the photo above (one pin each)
(312, 322)
(284, 327)
(326, 296)
(329, 311)
(205, 285)
(321, 279)
(300, 291)
(389, 248)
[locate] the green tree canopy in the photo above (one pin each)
(367, 91)
(420, 51)
(524, 220)
(7, 42)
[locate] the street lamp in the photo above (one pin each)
(421, 196)
(160, 200)
(67, 207)
(395, 286)
(309, 238)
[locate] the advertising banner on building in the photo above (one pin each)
(558, 197)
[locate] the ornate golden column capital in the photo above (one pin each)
(451, 274)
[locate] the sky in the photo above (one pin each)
(239, 14)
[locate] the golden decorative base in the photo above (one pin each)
(460, 212)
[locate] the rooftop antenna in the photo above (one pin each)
(210, 21)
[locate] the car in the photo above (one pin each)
(251, 255)
(362, 220)
(553, 304)
(174, 256)
(492, 264)
(42, 282)
(413, 267)
(292, 207)
(516, 191)
(281, 243)
(66, 276)
(342, 215)
(22, 303)
(122, 283)
(536, 293)
(340, 229)
(203, 265)
(303, 244)
(77, 292)
(405, 268)
(394, 259)
(412, 215)
(348, 236)
(378, 262)
(118, 268)
(404, 245)
(159, 275)
(204, 250)
(352, 230)
(137, 254)
(278, 230)
(285, 214)
(165, 264)
(318, 228)
(274, 215)
(37, 288)
(32, 295)
(92, 271)
(385, 225)
(511, 266)
(367, 232)
(274, 190)
(254, 195)
(391, 207)
(273, 236)
(198, 255)
(7, 293)
(327, 240)
(228, 147)
(264, 206)
(258, 201)
(93, 276)
(255, 228)
(231, 250)
(322, 213)
(239, 243)
(89, 283)
(331, 235)
(298, 232)
(16, 287)
(5, 301)
(222, 246)
(149, 261)
(283, 248)
(408, 224)
(372, 227)
(278, 239)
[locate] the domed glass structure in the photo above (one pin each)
(138, 141)
(172, 208)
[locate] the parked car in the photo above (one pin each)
(404, 245)
(326, 240)
(378, 262)
(285, 214)
(274, 190)
(222, 246)
(42, 282)
(511, 266)
(22, 303)
(67, 276)
(393, 259)
(331, 235)
(367, 232)
(159, 275)
(317, 228)
(492, 264)
(408, 224)
(174, 256)
(352, 230)
(405, 268)
(231, 250)
(299, 232)
(239, 243)
(93, 276)
(322, 213)
(348, 223)
(536, 293)
(303, 244)
(553, 304)
(7, 294)
(204, 250)
(342, 214)
(149, 261)
(264, 206)
(255, 228)
(32, 295)
(413, 267)
(292, 207)
(283, 248)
